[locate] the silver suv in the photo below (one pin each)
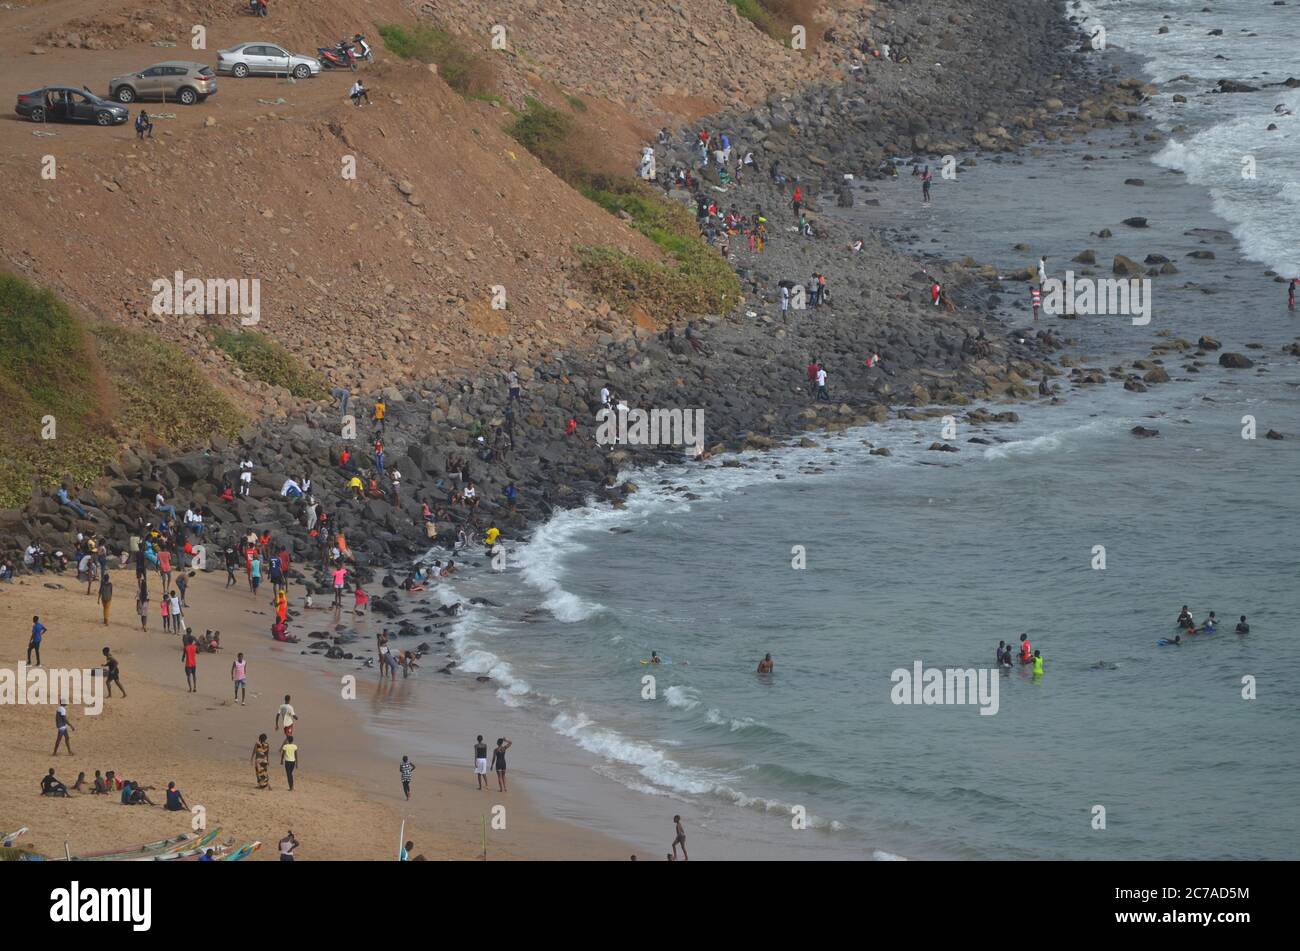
(186, 83)
(267, 59)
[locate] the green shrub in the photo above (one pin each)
(467, 72)
(263, 359)
(162, 395)
(546, 132)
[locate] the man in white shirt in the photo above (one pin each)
(821, 385)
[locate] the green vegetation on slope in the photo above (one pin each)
(699, 280)
(263, 359)
(49, 385)
(467, 72)
(161, 393)
(101, 387)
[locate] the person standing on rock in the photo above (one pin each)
(797, 201)
(822, 393)
(512, 384)
(785, 300)
(341, 394)
(377, 417)
(245, 477)
(1035, 300)
(1042, 271)
(926, 178)
(340, 579)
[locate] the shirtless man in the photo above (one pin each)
(765, 665)
(681, 838)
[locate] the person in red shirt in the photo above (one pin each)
(1026, 652)
(813, 368)
(190, 657)
(572, 427)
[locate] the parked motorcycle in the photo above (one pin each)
(364, 48)
(342, 56)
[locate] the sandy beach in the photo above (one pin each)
(347, 803)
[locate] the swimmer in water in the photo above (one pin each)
(765, 665)
(654, 658)
(1185, 619)
(1243, 627)
(1002, 647)
(1211, 624)
(1038, 664)
(1166, 642)
(1026, 652)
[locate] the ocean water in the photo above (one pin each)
(1226, 134)
(935, 557)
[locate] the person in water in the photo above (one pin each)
(765, 665)
(654, 658)
(1211, 624)
(1026, 652)
(1038, 664)
(1185, 620)
(1242, 626)
(1166, 642)
(1002, 646)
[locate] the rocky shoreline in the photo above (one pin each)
(749, 379)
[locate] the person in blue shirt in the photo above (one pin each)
(38, 634)
(65, 499)
(175, 801)
(207, 856)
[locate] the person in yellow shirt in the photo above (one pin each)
(1038, 664)
(492, 535)
(378, 417)
(357, 486)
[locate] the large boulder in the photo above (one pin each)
(1235, 361)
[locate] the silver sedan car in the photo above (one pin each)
(268, 59)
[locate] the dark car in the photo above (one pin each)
(66, 104)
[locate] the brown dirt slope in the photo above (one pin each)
(365, 282)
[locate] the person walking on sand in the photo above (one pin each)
(239, 674)
(111, 674)
(289, 757)
(105, 597)
(34, 643)
(480, 762)
(499, 762)
(261, 760)
(289, 718)
(680, 839)
(63, 726)
(406, 769)
(142, 608)
(190, 658)
(287, 846)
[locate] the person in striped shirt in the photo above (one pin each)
(1035, 300)
(407, 768)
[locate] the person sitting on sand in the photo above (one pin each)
(51, 786)
(134, 795)
(99, 787)
(175, 800)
